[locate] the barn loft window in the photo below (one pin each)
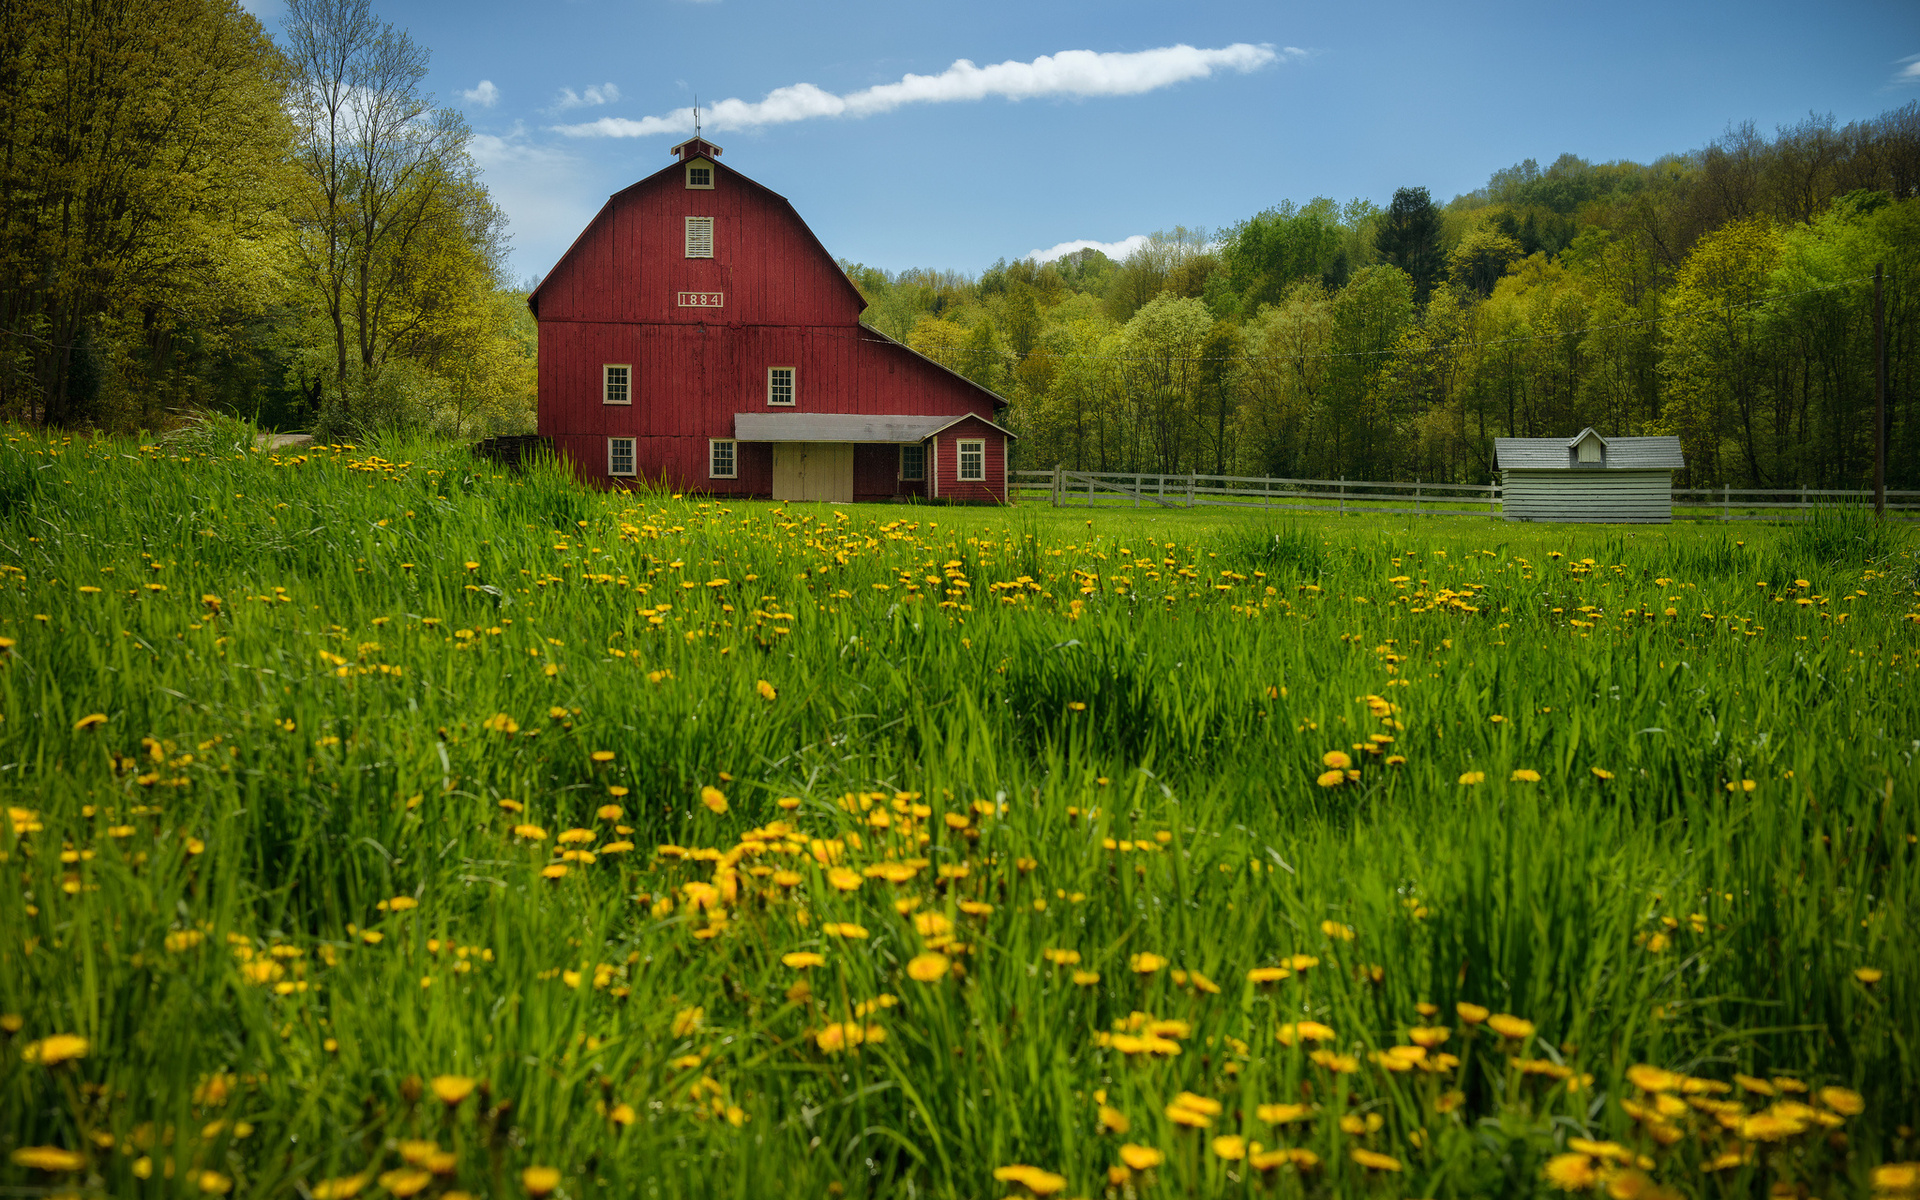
(619, 456)
(913, 462)
(699, 237)
(780, 386)
(699, 175)
(616, 384)
(721, 463)
(973, 460)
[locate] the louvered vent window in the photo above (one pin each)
(699, 237)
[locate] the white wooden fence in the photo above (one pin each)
(1357, 497)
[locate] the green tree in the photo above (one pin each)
(141, 146)
(392, 214)
(1408, 237)
(1714, 365)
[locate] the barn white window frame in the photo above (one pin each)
(616, 383)
(700, 176)
(917, 471)
(699, 237)
(621, 450)
(783, 386)
(976, 449)
(719, 451)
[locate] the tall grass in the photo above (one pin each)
(337, 678)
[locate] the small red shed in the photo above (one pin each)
(698, 336)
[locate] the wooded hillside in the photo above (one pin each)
(1724, 295)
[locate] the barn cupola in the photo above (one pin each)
(1587, 449)
(695, 147)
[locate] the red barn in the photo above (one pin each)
(698, 336)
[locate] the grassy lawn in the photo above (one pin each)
(383, 825)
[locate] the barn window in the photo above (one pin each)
(1591, 453)
(913, 462)
(720, 459)
(973, 460)
(699, 175)
(699, 237)
(619, 456)
(616, 384)
(780, 386)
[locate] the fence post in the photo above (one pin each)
(1057, 467)
(1089, 489)
(1189, 489)
(1343, 495)
(1139, 483)
(1803, 500)
(1726, 502)
(1416, 496)
(1266, 500)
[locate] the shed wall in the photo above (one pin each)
(1601, 496)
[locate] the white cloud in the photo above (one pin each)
(1909, 71)
(485, 95)
(546, 192)
(593, 97)
(1113, 250)
(1069, 73)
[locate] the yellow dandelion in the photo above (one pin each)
(930, 967)
(1145, 963)
(1509, 1026)
(1337, 759)
(452, 1089)
(51, 1052)
(48, 1158)
(90, 720)
(539, 1180)
(1472, 777)
(1524, 775)
(1375, 1162)
(803, 960)
(714, 799)
(766, 691)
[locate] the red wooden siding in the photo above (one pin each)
(612, 298)
(943, 462)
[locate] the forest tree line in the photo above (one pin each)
(1723, 295)
(194, 217)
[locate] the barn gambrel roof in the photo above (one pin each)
(1661, 453)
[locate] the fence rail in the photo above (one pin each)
(1139, 489)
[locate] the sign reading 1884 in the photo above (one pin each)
(703, 299)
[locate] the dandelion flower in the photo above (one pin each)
(90, 720)
(1570, 1172)
(1524, 775)
(1472, 1014)
(1601, 773)
(766, 691)
(539, 1180)
(51, 1052)
(452, 1089)
(1145, 963)
(1510, 1026)
(1375, 1162)
(406, 1181)
(1035, 1180)
(1844, 1101)
(930, 967)
(48, 1158)
(1473, 777)
(1337, 759)
(600, 756)
(342, 1187)
(1086, 978)
(1331, 779)
(1112, 1120)
(1141, 1158)
(1869, 975)
(714, 799)
(844, 880)
(1230, 1146)
(1282, 1114)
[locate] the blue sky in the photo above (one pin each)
(1271, 101)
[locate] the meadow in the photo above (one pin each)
(378, 823)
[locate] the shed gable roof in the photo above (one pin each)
(1660, 453)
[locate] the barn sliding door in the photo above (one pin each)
(819, 471)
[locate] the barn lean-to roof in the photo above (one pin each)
(533, 297)
(848, 427)
(1661, 453)
(884, 339)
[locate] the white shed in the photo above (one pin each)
(1587, 478)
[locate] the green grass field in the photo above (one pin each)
(385, 825)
